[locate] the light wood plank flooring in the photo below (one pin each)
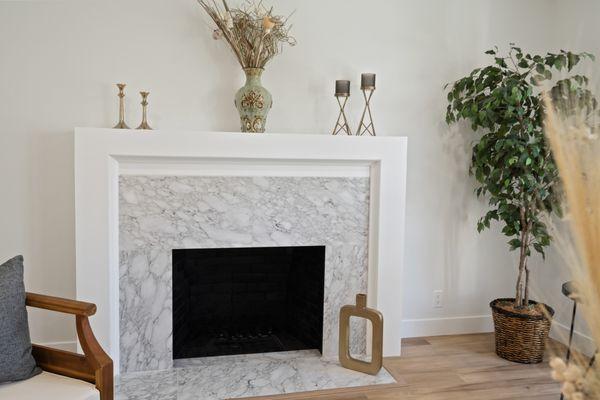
(461, 367)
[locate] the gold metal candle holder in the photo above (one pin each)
(144, 125)
(341, 126)
(367, 126)
(121, 124)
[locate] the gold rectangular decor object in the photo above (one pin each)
(360, 310)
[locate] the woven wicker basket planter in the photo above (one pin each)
(519, 337)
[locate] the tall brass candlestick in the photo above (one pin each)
(121, 124)
(144, 124)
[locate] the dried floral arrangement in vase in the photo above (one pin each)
(255, 36)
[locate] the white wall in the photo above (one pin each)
(60, 60)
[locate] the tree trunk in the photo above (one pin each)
(519, 288)
(526, 300)
(519, 297)
(525, 248)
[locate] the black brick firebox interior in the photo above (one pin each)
(247, 300)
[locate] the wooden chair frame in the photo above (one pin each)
(94, 366)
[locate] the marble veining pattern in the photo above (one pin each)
(241, 376)
(160, 213)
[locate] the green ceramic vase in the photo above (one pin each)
(253, 102)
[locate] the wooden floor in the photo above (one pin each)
(461, 367)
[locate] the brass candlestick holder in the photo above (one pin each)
(367, 126)
(342, 93)
(341, 126)
(121, 124)
(144, 125)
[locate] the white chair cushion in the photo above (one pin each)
(49, 386)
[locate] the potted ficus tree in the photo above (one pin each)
(515, 171)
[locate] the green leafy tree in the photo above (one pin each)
(511, 162)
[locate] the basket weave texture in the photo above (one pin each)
(519, 337)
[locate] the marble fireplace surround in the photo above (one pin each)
(160, 213)
(103, 155)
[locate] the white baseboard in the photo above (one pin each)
(581, 342)
(483, 324)
(67, 346)
(447, 326)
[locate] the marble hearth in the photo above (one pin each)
(232, 377)
(160, 213)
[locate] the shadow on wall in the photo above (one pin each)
(457, 220)
(51, 229)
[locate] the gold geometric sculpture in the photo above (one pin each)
(360, 310)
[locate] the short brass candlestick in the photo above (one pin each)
(341, 125)
(121, 124)
(367, 126)
(144, 124)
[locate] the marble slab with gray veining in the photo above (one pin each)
(226, 377)
(160, 213)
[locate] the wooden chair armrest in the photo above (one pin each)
(96, 357)
(60, 305)
(94, 366)
(64, 363)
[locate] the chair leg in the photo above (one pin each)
(592, 360)
(571, 331)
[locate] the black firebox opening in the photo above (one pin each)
(247, 300)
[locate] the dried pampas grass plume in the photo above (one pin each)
(571, 127)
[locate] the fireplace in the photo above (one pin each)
(247, 300)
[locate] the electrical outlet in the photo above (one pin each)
(437, 299)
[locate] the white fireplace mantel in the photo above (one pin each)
(101, 155)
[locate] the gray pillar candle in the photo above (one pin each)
(367, 81)
(342, 88)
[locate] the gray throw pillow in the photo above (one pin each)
(16, 361)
